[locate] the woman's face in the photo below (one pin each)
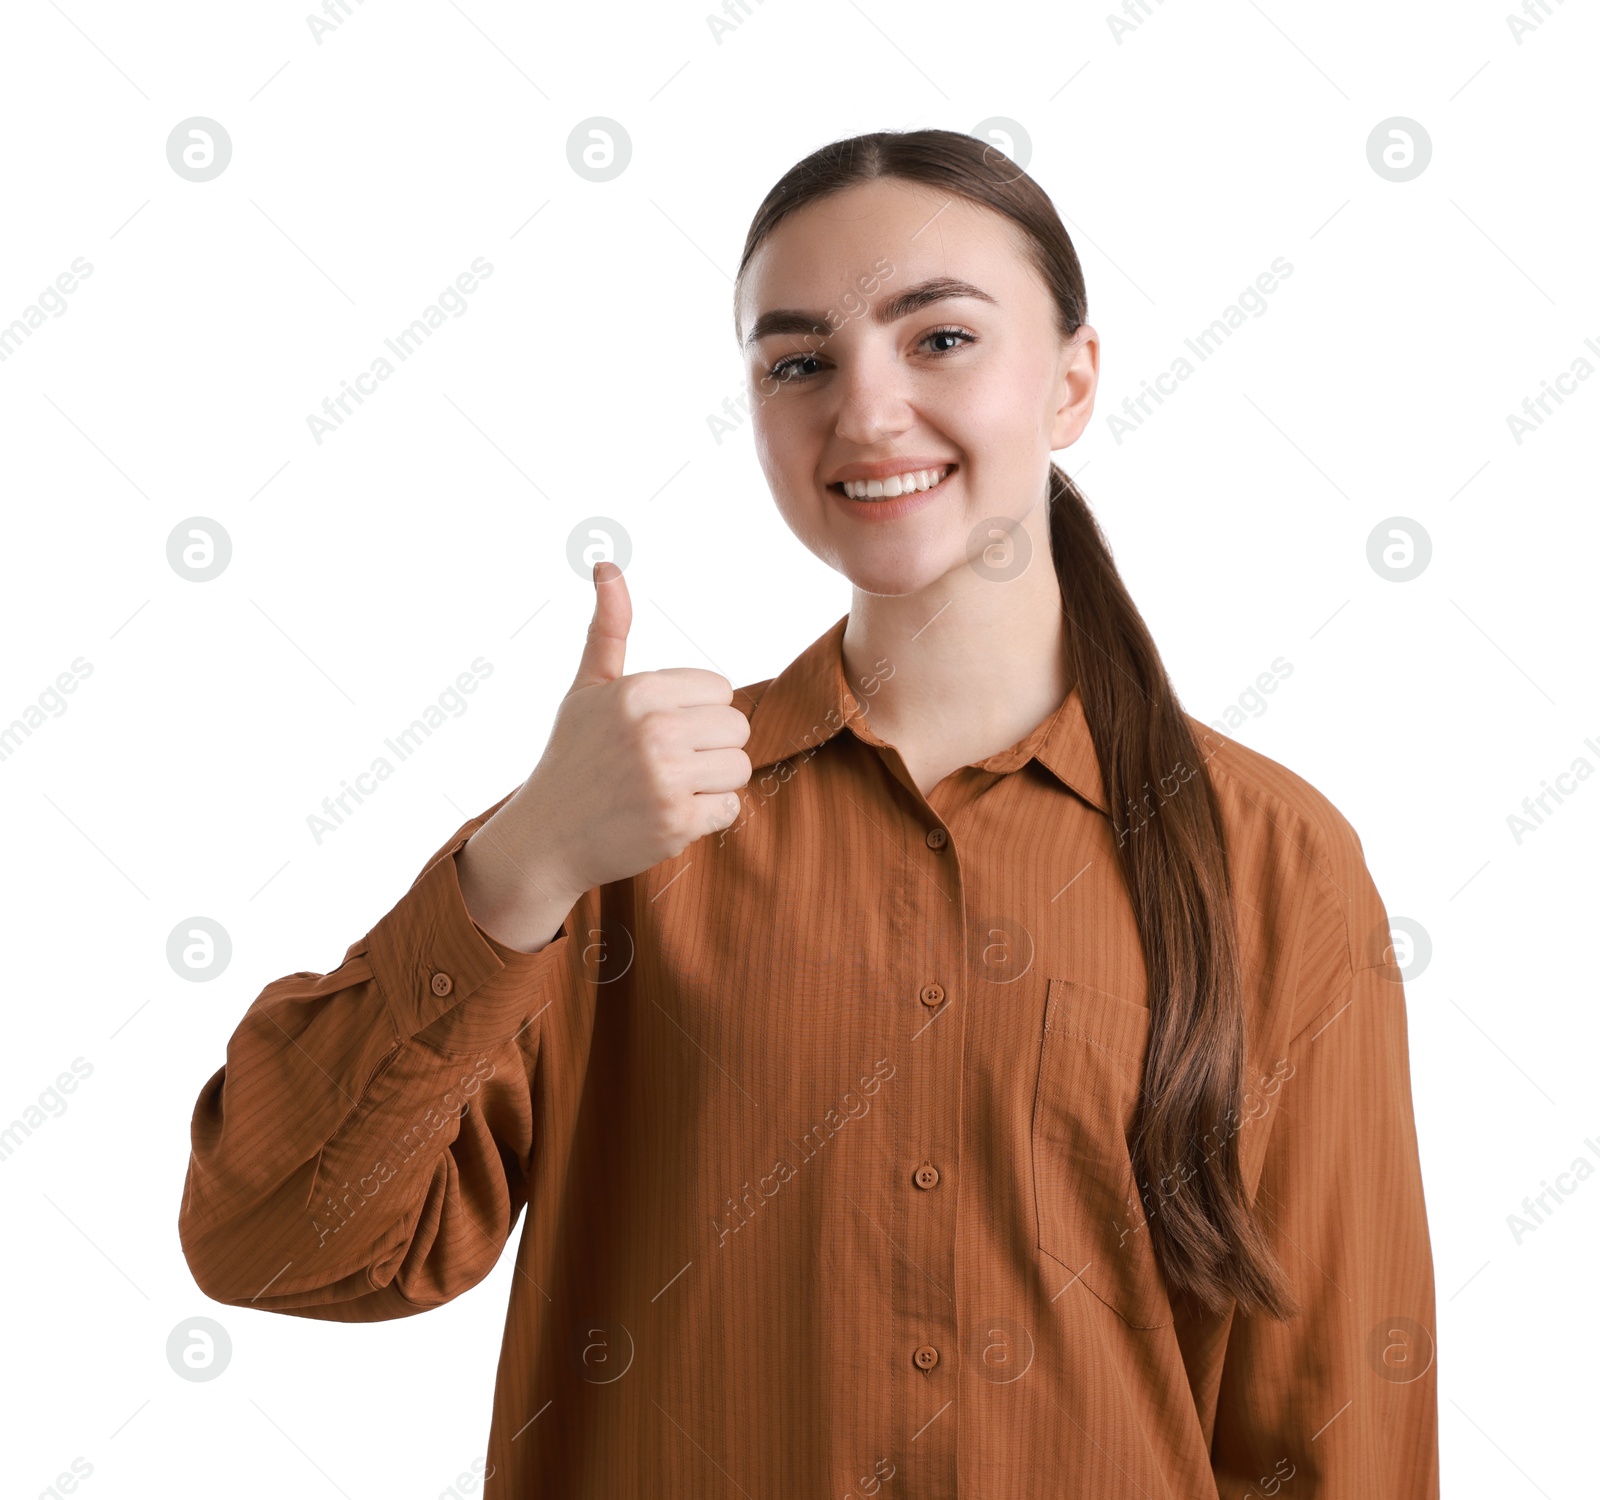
(858, 367)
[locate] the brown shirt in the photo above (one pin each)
(822, 1132)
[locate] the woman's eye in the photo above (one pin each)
(786, 370)
(784, 367)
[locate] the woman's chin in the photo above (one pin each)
(892, 577)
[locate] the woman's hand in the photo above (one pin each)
(636, 769)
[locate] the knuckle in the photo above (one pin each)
(663, 823)
(653, 735)
(630, 696)
(659, 791)
(673, 827)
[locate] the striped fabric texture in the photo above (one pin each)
(821, 1130)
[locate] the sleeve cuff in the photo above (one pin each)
(442, 975)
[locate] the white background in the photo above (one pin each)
(432, 528)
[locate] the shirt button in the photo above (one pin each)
(933, 994)
(937, 838)
(442, 984)
(926, 1357)
(926, 1176)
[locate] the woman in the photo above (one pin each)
(942, 1069)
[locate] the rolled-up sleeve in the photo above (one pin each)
(365, 1151)
(1340, 1401)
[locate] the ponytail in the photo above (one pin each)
(1174, 862)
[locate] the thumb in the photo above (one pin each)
(608, 630)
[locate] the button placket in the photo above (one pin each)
(930, 929)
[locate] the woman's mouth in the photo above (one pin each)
(913, 482)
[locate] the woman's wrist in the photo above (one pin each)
(520, 902)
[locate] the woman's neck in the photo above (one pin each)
(962, 669)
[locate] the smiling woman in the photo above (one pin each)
(1003, 389)
(1137, 1208)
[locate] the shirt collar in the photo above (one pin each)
(811, 700)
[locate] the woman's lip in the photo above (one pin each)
(885, 468)
(891, 507)
(837, 485)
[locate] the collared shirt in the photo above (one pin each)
(822, 1132)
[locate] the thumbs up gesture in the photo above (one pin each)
(637, 768)
(640, 765)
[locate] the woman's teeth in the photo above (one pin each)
(895, 484)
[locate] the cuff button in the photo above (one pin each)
(443, 984)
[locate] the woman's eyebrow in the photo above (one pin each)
(913, 299)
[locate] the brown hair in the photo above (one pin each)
(1171, 855)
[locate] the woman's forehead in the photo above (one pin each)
(815, 259)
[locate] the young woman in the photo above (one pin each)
(942, 1069)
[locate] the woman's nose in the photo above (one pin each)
(872, 402)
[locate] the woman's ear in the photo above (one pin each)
(1079, 376)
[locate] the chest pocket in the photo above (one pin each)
(1091, 1218)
